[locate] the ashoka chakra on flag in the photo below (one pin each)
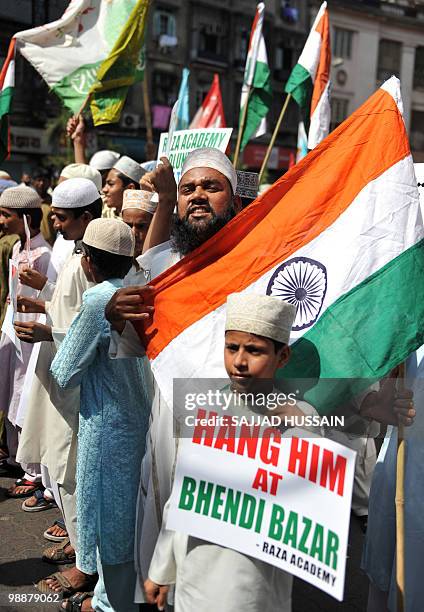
(302, 282)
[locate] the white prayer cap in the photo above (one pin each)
(140, 199)
(130, 168)
(110, 235)
(208, 157)
(83, 171)
(20, 197)
(261, 315)
(75, 193)
(150, 165)
(5, 175)
(104, 160)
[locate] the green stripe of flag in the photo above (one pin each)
(300, 86)
(355, 334)
(259, 102)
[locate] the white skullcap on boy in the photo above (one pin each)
(75, 193)
(82, 171)
(208, 157)
(110, 235)
(104, 160)
(261, 315)
(140, 199)
(130, 168)
(20, 197)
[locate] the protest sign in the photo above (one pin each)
(185, 141)
(277, 497)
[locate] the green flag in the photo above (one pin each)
(122, 68)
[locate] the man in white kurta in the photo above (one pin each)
(49, 433)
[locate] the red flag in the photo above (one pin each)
(211, 113)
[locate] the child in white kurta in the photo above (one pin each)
(209, 577)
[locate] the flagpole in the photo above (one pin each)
(148, 118)
(84, 104)
(241, 127)
(400, 510)
(274, 136)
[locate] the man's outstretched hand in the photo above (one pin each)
(130, 304)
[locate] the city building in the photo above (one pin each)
(372, 40)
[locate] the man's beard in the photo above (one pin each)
(186, 236)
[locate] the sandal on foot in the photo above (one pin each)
(57, 554)
(52, 538)
(74, 603)
(33, 487)
(67, 588)
(41, 503)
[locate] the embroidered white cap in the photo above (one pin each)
(208, 157)
(130, 168)
(261, 315)
(110, 235)
(140, 199)
(20, 197)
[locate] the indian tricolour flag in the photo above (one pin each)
(7, 83)
(340, 235)
(69, 52)
(256, 91)
(309, 80)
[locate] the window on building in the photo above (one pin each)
(242, 45)
(283, 58)
(339, 111)
(342, 45)
(419, 68)
(211, 41)
(417, 131)
(164, 22)
(389, 58)
(164, 88)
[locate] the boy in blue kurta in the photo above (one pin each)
(113, 423)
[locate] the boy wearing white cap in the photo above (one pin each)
(49, 433)
(114, 414)
(137, 212)
(125, 174)
(17, 204)
(207, 576)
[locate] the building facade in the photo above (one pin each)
(372, 40)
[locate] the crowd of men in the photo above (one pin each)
(85, 426)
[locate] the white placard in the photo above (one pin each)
(278, 497)
(185, 141)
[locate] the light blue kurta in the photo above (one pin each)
(113, 422)
(380, 545)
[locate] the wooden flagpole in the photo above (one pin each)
(400, 509)
(241, 128)
(274, 136)
(84, 104)
(150, 146)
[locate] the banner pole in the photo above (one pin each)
(241, 127)
(400, 510)
(148, 118)
(274, 136)
(84, 104)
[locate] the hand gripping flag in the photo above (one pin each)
(310, 79)
(340, 235)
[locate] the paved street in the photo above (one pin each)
(21, 537)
